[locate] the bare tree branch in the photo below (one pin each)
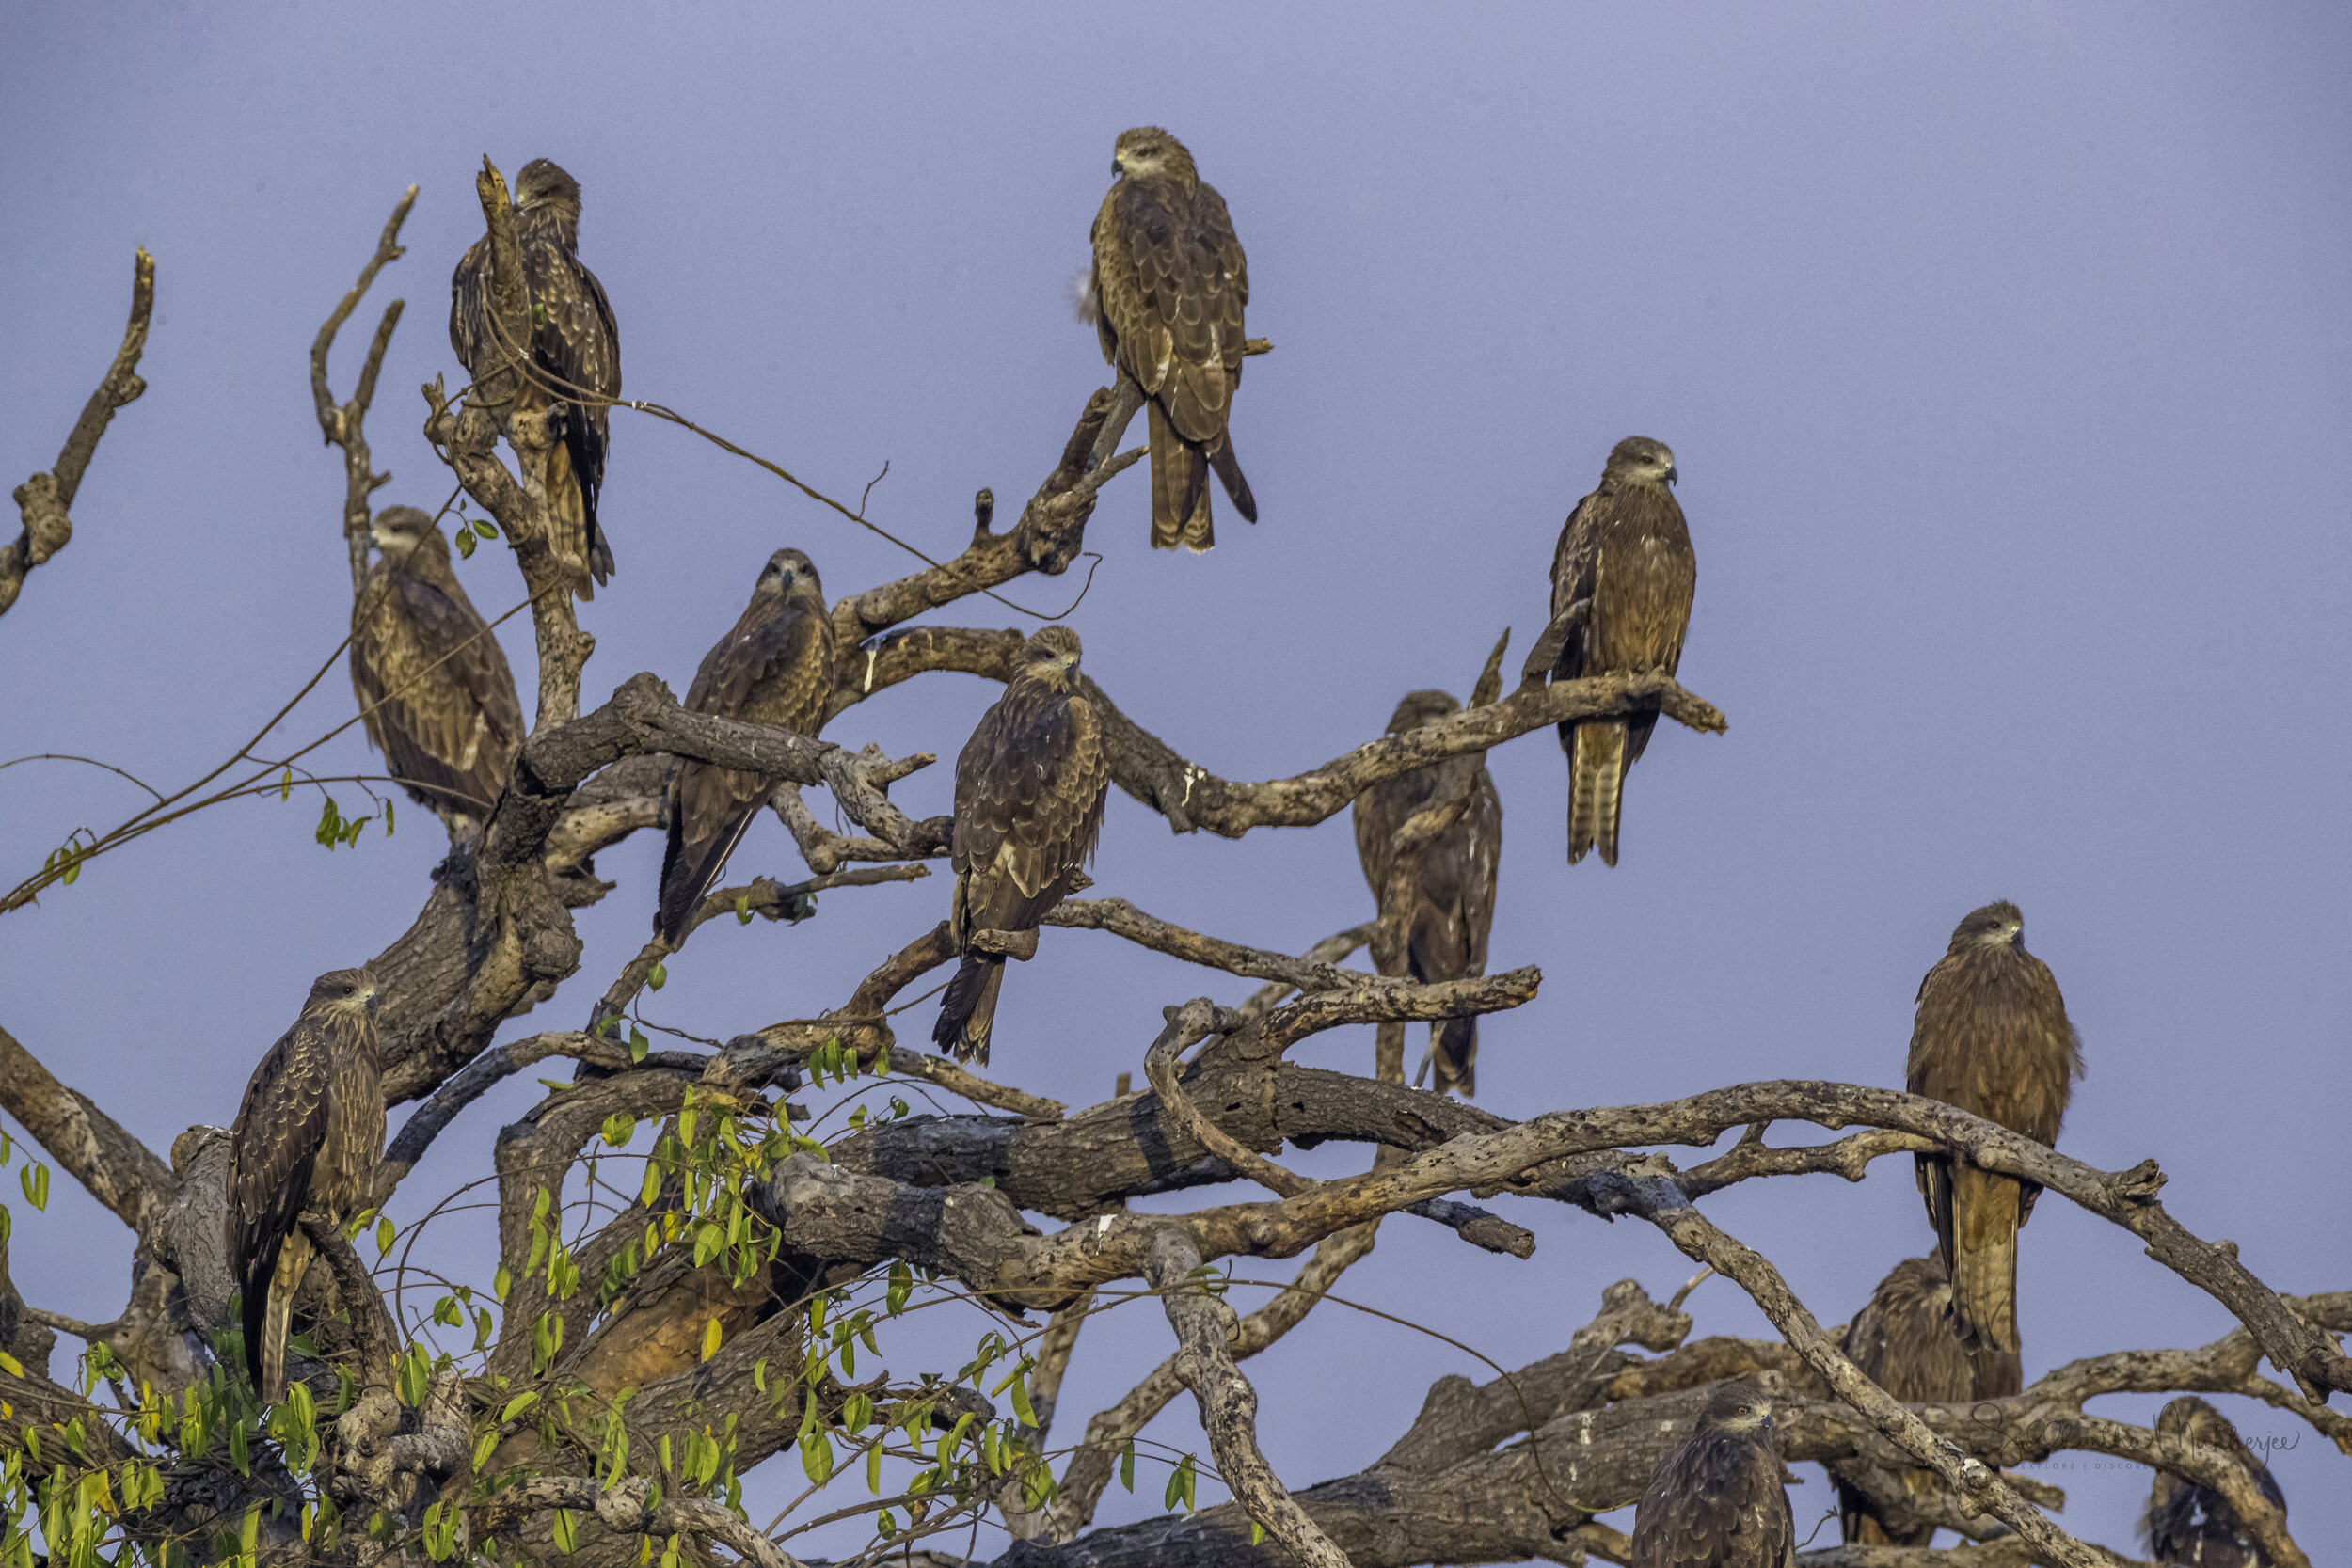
(342, 425)
(45, 499)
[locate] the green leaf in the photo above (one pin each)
(1020, 1400)
(385, 1235)
(619, 1128)
(1127, 1465)
(501, 1282)
(34, 1178)
(638, 1046)
(743, 909)
(660, 977)
(486, 528)
(519, 1403)
(566, 1530)
(1257, 1532)
(464, 544)
(710, 1338)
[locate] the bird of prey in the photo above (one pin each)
(433, 688)
(306, 1140)
(1443, 894)
(575, 347)
(1904, 1340)
(1622, 577)
(775, 668)
(1166, 297)
(1718, 1502)
(2190, 1524)
(1029, 787)
(1991, 1035)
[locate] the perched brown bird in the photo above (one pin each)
(1444, 892)
(2195, 1525)
(1029, 787)
(1622, 577)
(1719, 1502)
(1991, 1036)
(1904, 1340)
(306, 1140)
(1166, 297)
(575, 346)
(434, 691)
(775, 668)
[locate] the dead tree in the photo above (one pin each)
(639, 1352)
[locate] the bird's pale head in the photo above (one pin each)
(2194, 1420)
(544, 183)
(1051, 654)
(1421, 707)
(348, 992)
(400, 532)
(1994, 925)
(1917, 1281)
(788, 571)
(1643, 461)
(1148, 152)
(1737, 1407)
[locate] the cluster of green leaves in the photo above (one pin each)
(471, 529)
(65, 862)
(336, 829)
(34, 1178)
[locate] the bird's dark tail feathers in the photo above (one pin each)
(968, 1012)
(1227, 468)
(575, 474)
(1984, 1220)
(1180, 488)
(1597, 763)
(1452, 1063)
(688, 869)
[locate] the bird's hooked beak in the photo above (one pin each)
(375, 1002)
(1673, 473)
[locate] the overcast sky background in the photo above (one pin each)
(2005, 349)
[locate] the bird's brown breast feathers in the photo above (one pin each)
(1991, 1036)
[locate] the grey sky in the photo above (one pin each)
(2005, 348)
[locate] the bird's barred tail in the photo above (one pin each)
(968, 1012)
(265, 1352)
(1595, 790)
(1453, 1061)
(1985, 1215)
(1180, 489)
